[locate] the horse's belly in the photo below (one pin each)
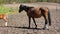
(36, 16)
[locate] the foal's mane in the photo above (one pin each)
(26, 7)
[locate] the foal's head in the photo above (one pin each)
(21, 8)
(24, 7)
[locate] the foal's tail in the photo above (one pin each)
(49, 18)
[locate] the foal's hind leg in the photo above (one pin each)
(46, 21)
(34, 22)
(5, 19)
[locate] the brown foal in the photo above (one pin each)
(33, 12)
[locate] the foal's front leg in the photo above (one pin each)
(5, 19)
(34, 22)
(29, 21)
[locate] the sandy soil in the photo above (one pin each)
(18, 23)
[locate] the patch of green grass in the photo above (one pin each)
(4, 9)
(8, 10)
(13, 10)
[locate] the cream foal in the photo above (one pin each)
(4, 17)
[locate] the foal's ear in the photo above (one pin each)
(39, 8)
(20, 4)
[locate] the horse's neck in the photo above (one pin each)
(28, 9)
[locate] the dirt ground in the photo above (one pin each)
(18, 23)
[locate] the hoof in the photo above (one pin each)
(28, 27)
(6, 24)
(45, 28)
(35, 27)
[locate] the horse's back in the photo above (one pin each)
(35, 12)
(44, 8)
